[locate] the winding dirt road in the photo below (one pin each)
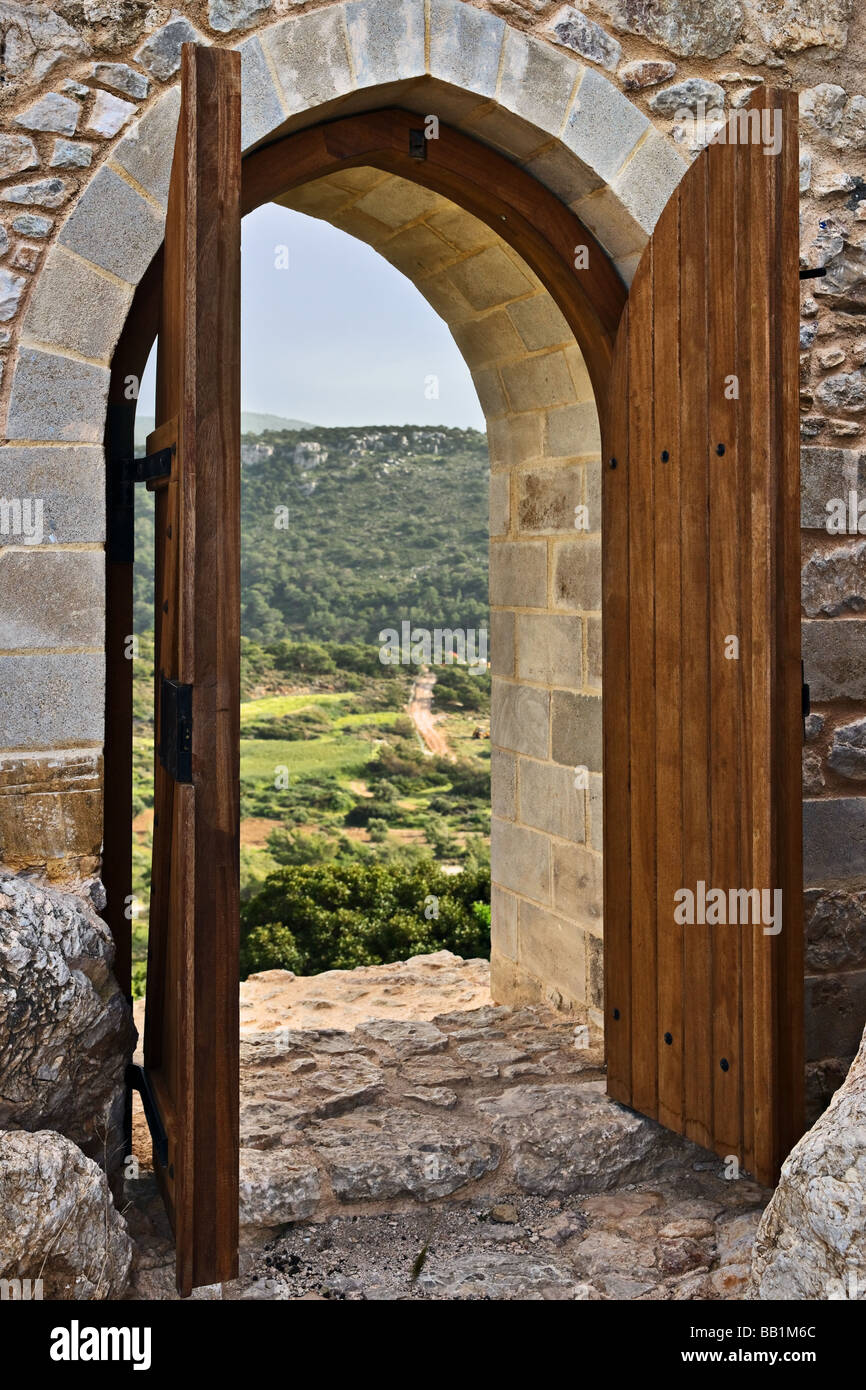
(420, 710)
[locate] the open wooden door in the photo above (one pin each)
(191, 1027)
(702, 677)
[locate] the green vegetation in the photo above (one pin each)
(338, 916)
(348, 825)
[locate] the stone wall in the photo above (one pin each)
(77, 79)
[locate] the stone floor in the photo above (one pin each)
(471, 1153)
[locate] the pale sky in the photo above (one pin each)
(339, 337)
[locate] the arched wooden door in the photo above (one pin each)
(702, 681)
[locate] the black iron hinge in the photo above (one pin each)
(144, 470)
(137, 1080)
(805, 697)
(123, 473)
(418, 144)
(175, 725)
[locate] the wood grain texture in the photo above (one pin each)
(192, 1025)
(710, 619)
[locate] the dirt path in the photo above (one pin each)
(420, 709)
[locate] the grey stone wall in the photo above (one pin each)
(584, 98)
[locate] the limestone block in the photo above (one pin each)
(465, 46)
(386, 40)
(576, 729)
(518, 574)
(310, 58)
(549, 649)
(548, 800)
(69, 482)
(52, 701)
(577, 574)
(520, 860)
(114, 227)
(56, 399)
(147, 149)
(603, 126)
(834, 840)
(519, 718)
(75, 308)
(51, 598)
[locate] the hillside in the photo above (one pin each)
(346, 531)
(252, 422)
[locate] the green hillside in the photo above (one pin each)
(347, 531)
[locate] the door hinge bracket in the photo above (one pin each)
(805, 698)
(137, 1080)
(418, 144)
(149, 467)
(175, 725)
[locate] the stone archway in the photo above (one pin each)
(574, 133)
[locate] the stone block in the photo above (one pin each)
(489, 278)
(499, 504)
(465, 46)
(593, 652)
(51, 598)
(538, 382)
(518, 574)
(310, 58)
(834, 840)
(603, 126)
(549, 801)
(386, 40)
(519, 718)
(75, 308)
(147, 149)
(503, 784)
(51, 812)
(573, 432)
(593, 494)
(161, 52)
(503, 922)
(577, 574)
(71, 154)
(611, 223)
(506, 132)
(834, 656)
(835, 1009)
(596, 817)
(226, 16)
(483, 342)
(540, 323)
(416, 250)
(536, 82)
(549, 649)
(502, 643)
(563, 173)
(489, 389)
(517, 439)
(70, 484)
(56, 399)
(649, 178)
(576, 729)
(835, 928)
(826, 474)
(114, 227)
(520, 860)
(578, 884)
(261, 108)
(552, 949)
(52, 701)
(547, 498)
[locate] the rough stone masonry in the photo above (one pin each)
(87, 100)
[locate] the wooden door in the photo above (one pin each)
(702, 679)
(191, 1028)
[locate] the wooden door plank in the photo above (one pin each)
(193, 1022)
(615, 716)
(694, 500)
(641, 701)
(667, 687)
(725, 625)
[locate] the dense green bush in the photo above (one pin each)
(338, 916)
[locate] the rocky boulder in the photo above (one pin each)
(811, 1243)
(58, 1223)
(66, 1032)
